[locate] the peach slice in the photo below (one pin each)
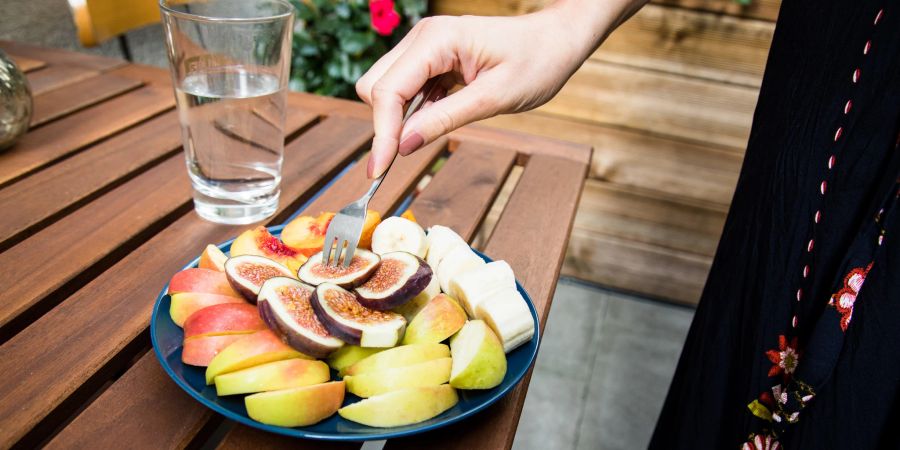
(200, 351)
(402, 407)
(212, 258)
(288, 373)
(429, 373)
(306, 234)
(225, 318)
(408, 215)
(373, 218)
(438, 320)
(203, 281)
(186, 303)
(260, 242)
(296, 407)
(248, 351)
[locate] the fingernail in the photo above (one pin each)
(411, 143)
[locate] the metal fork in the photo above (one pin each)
(346, 227)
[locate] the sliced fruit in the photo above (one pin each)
(440, 241)
(438, 320)
(296, 407)
(212, 258)
(459, 260)
(360, 269)
(284, 304)
(402, 356)
(183, 304)
(306, 234)
(408, 215)
(288, 373)
(247, 273)
(248, 351)
(508, 315)
(479, 361)
(400, 277)
(200, 351)
(225, 318)
(349, 355)
(402, 407)
(479, 284)
(344, 317)
(412, 307)
(429, 373)
(396, 234)
(373, 218)
(260, 242)
(201, 281)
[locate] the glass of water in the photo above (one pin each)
(230, 61)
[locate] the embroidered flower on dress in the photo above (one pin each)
(784, 358)
(844, 299)
(761, 442)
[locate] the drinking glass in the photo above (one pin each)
(229, 61)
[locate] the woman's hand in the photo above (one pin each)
(506, 64)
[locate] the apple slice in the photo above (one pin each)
(400, 277)
(248, 351)
(402, 407)
(212, 258)
(508, 315)
(344, 317)
(200, 351)
(183, 304)
(349, 355)
(260, 242)
(481, 283)
(273, 376)
(402, 356)
(201, 281)
(296, 407)
(429, 373)
(285, 306)
(409, 309)
(247, 273)
(225, 318)
(479, 361)
(438, 320)
(361, 267)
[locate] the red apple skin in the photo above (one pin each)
(199, 351)
(225, 318)
(183, 304)
(203, 281)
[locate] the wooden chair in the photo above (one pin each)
(100, 20)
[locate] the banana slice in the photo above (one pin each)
(440, 241)
(459, 260)
(396, 234)
(480, 284)
(508, 315)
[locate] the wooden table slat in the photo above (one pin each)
(57, 77)
(61, 57)
(27, 64)
(540, 214)
(68, 99)
(246, 438)
(147, 74)
(62, 137)
(95, 323)
(464, 188)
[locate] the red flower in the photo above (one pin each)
(384, 18)
(757, 442)
(784, 358)
(844, 299)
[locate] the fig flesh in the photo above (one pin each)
(362, 266)
(284, 305)
(343, 316)
(247, 273)
(400, 277)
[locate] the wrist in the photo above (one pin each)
(589, 22)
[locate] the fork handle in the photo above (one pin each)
(426, 93)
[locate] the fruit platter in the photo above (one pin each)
(417, 332)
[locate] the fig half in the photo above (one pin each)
(314, 272)
(343, 316)
(284, 305)
(247, 273)
(400, 277)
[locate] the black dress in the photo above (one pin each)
(796, 340)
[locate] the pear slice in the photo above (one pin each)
(479, 361)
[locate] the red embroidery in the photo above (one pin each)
(844, 299)
(784, 358)
(761, 442)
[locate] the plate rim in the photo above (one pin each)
(300, 432)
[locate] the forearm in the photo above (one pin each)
(591, 21)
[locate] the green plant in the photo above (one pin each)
(336, 41)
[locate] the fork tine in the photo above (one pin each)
(351, 250)
(328, 244)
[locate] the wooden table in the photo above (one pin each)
(97, 216)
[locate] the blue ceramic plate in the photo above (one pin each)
(167, 339)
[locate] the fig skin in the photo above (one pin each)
(356, 280)
(412, 286)
(241, 287)
(298, 341)
(343, 332)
